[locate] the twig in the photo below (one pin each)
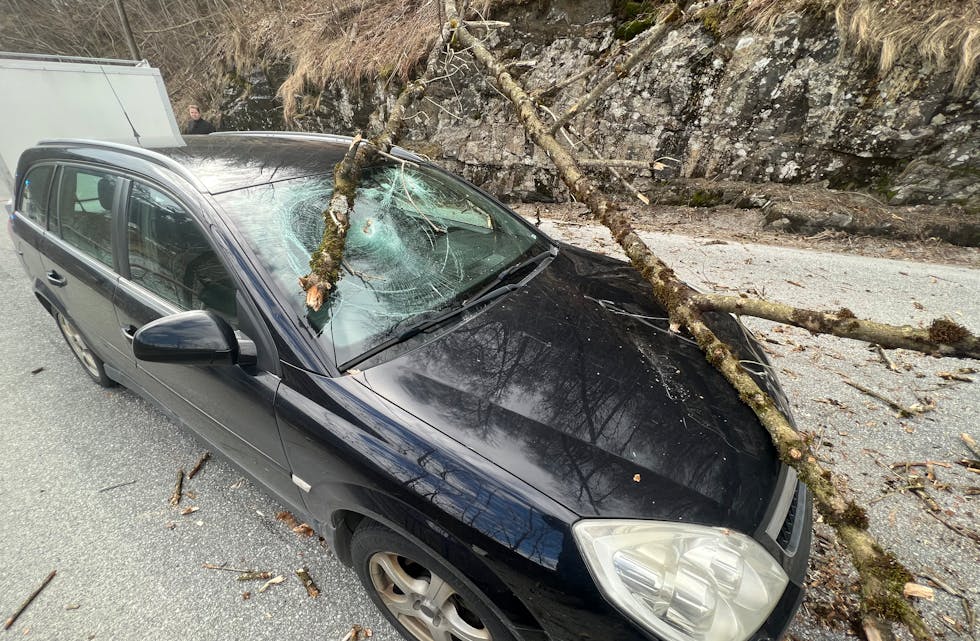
(118, 485)
(254, 576)
(959, 529)
(650, 40)
(213, 566)
(901, 409)
(23, 606)
(485, 24)
(884, 358)
(953, 376)
(197, 466)
(971, 444)
(916, 487)
(307, 580)
(178, 487)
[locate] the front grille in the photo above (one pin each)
(785, 536)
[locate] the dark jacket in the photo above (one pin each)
(200, 126)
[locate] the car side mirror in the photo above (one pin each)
(192, 338)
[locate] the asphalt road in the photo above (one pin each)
(129, 566)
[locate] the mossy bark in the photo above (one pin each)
(942, 337)
(879, 572)
(327, 258)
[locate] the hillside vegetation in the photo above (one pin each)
(195, 42)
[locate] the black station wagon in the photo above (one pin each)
(497, 431)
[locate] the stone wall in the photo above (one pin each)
(787, 105)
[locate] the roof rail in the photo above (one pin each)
(297, 135)
(302, 135)
(43, 57)
(147, 154)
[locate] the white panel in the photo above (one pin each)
(43, 100)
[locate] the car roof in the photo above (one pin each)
(225, 161)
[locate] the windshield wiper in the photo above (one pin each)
(493, 290)
(502, 276)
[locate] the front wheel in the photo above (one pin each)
(91, 363)
(421, 595)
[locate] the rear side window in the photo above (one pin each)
(85, 201)
(170, 256)
(34, 196)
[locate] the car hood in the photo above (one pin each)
(575, 385)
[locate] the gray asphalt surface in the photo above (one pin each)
(62, 439)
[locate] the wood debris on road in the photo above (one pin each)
(197, 466)
(23, 606)
(307, 580)
(178, 488)
(254, 576)
(224, 566)
(970, 443)
(276, 580)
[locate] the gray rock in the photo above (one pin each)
(781, 106)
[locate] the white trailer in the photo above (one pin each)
(67, 97)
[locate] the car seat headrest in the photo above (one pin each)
(107, 189)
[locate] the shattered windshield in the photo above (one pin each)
(419, 241)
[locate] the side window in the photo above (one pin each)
(85, 201)
(169, 255)
(34, 197)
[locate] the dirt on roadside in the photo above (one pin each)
(733, 223)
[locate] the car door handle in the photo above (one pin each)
(56, 279)
(128, 332)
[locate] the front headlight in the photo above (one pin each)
(683, 582)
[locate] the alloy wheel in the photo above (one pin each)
(424, 603)
(79, 347)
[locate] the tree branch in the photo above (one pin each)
(651, 39)
(326, 259)
(942, 337)
(882, 578)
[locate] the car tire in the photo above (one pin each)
(88, 359)
(421, 595)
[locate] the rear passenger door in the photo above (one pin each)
(30, 220)
(78, 259)
(169, 266)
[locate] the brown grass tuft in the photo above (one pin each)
(340, 40)
(943, 32)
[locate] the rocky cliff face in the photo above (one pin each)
(786, 105)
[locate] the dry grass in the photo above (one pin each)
(175, 35)
(943, 32)
(339, 40)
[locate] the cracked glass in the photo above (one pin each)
(419, 241)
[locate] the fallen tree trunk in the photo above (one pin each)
(882, 578)
(326, 260)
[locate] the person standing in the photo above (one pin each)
(197, 124)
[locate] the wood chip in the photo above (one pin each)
(970, 443)
(307, 580)
(953, 376)
(178, 487)
(273, 581)
(254, 576)
(189, 510)
(919, 591)
(197, 466)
